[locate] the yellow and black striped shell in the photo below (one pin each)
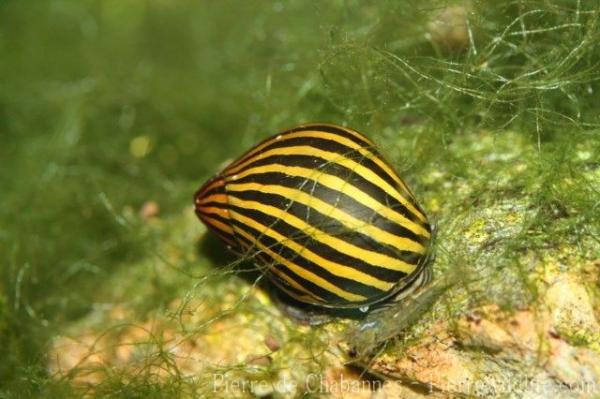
(324, 215)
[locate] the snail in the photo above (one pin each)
(325, 217)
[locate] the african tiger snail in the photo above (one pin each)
(327, 219)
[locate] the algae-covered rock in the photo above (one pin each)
(500, 319)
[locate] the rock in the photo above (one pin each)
(571, 309)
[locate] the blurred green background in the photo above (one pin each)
(105, 105)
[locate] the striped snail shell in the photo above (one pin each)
(324, 215)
